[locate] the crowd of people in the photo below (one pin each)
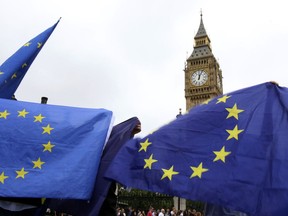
(157, 212)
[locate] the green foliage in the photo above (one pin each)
(198, 205)
(140, 199)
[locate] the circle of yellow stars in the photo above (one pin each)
(197, 171)
(37, 163)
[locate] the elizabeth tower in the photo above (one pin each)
(203, 76)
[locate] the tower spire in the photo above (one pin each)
(201, 30)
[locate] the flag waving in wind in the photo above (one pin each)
(231, 151)
(98, 204)
(14, 68)
(50, 151)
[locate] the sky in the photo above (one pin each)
(128, 56)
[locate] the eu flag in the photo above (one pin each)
(230, 151)
(50, 151)
(120, 134)
(13, 70)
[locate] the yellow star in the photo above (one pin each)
(233, 112)
(24, 65)
(207, 101)
(38, 163)
(14, 76)
(4, 114)
(47, 129)
(169, 173)
(38, 118)
(234, 133)
(197, 171)
(220, 155)
(1, 72)
(21, 173)
(144, 145)
(223, 99)
(22, 113)
(27, 44)
(39, 45)
(48, 147)
(3, 177)
(149, 162)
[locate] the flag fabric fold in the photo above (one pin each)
(50, 151)
(214, 210)
(120, 134)
(13, 70)
(230, 151)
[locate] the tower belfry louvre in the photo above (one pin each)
(203, 76)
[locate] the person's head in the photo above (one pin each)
(44, 100)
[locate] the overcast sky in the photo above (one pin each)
(128, 55)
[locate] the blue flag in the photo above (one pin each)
(120, 134)
(214, 210)
(230, 151)
(13, 70)
(50, 151)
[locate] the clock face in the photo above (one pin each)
(199, 78)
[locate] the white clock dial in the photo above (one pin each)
(199, 78)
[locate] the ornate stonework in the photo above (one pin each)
(203, 76)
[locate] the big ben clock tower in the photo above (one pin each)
(203, 76)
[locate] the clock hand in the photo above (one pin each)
(199, 75)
